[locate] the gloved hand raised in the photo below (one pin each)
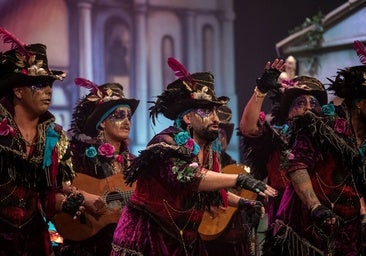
(268, 80)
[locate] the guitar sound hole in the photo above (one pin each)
(114, 200)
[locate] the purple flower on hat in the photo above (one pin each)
(5, 128)
(107, 150)
(90, 152)
(289, 82)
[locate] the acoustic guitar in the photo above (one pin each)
(214, 223)
(115, 194)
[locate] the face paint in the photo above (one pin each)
(205, 113)
(305, 102)
(37, 87)
(120, 115)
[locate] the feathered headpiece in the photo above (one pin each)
(301, 85)
(24, 65)
(190, 91)
(16, 44)
(101, 100)
(350, 83)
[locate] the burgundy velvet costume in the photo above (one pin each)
(234, 240)
(329, 158)
(27, 189)
(165, 207)
(98, 167)
(263, 154)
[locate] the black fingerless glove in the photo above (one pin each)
(251, 211)
(246, 181)
(246, 204)
(268, 80)
(320, 213)
(72, 203)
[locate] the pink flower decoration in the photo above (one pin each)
(118, 158)
(340, 125)
(5, 128)
(106, 149)
(289, 83)
(290, 156)
(189, 144)
(262, 116)
(194, 164)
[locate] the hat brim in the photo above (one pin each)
(291, 94)
(229, 129)
(183, 105)
(13, 80)
(95, 116)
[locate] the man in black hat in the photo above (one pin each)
(178, 174)
(349, 86)
(320, 206)
(34, 152)
(99, 134)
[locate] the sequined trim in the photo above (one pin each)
(124, 251)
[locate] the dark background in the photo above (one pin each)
(259, 25)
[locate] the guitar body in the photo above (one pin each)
(214, 223)
(115, 193)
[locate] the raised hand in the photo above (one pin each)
(272, 71)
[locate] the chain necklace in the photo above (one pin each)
(321, 182)
(181, 230)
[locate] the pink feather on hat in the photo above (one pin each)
(360, 50)
(16, 44)
(93, 87)
(180, 71)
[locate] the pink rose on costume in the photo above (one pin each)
(106, 149)
(189, 144)
(5, 128)
(118, 158)
(262, 116)
(340, 125)
(194, 165)
(290, 156)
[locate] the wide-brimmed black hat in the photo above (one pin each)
(225, 114)
(95, 106)
(302, 85)
(24, 65)
(190, 91)
(350, 82)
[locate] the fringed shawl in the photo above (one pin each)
(322, 133)
(27, 171)
(162, 152)
(256, 150)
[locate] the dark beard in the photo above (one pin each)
(209, 136)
